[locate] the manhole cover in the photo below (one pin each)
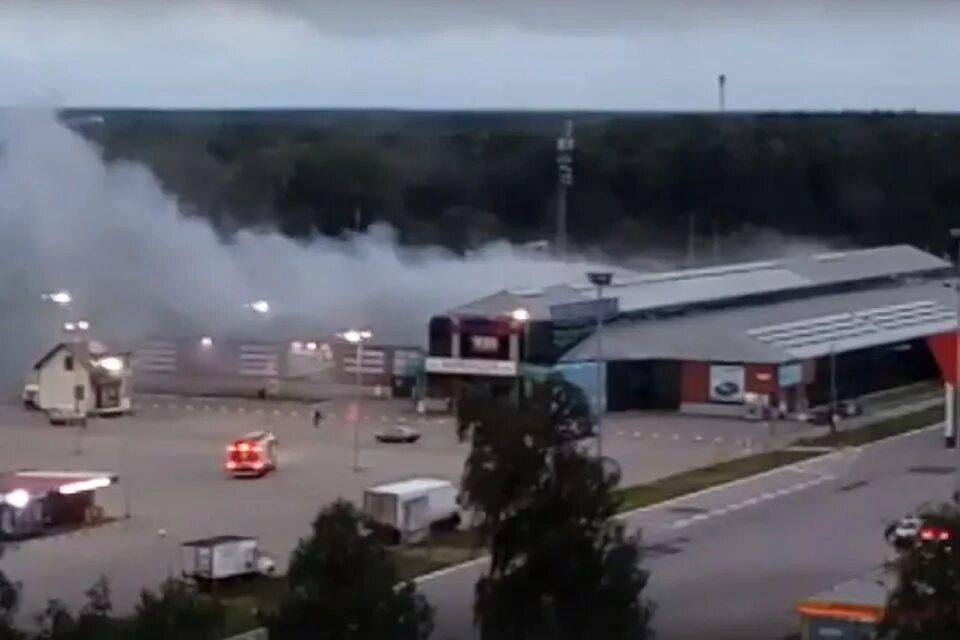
(932, 470)
(687, 510)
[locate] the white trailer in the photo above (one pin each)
(224, 557)
(409, 508)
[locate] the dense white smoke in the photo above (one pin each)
(111, 235)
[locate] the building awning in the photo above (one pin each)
(41, 483)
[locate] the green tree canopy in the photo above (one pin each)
(343, 586)
(925, 604)
(560, 568)
(177, 611)
(9, 599)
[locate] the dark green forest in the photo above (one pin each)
(642, 180)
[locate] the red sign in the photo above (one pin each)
(944, 347)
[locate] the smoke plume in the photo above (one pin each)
(111, 235)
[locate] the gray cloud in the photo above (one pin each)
(562, 54)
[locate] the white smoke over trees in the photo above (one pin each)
(109, 233)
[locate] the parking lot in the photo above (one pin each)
(169, 457)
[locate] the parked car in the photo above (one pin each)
(903, 533)
(398, 435)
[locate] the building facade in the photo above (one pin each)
(783, 334)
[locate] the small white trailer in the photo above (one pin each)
(224, 558)
(410, 508)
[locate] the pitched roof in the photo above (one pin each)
(783, 332)
(640, 292)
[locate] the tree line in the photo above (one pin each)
(461, 179)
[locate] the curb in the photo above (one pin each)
(794, 466)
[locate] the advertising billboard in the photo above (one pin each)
(726, 383)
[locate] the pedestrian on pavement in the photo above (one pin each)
(317, 417)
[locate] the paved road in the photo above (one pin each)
(730, 563)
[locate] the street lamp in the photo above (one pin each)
(259, 306)
(62, 297)
(955, 235)
(521, 316)
(600, 279)
(357, 337)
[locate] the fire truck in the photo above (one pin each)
(253, 454)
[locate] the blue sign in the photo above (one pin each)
(790, 375)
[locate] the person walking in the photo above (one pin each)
(317, 417)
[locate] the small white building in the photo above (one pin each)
(82, 376)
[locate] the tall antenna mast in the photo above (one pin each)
(565, 148)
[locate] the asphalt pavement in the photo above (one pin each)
(732, 561)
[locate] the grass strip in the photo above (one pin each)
(687, 482)
(878, 430)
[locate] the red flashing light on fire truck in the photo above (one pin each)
(253, 454)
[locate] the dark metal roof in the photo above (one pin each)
(691, 287)
(783, 332)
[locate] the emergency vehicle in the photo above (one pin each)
(253, 454)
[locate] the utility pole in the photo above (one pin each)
(600, 279)
(955, 399)
(722, 92)
(565, 149)
(833, 389)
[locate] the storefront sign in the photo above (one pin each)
(484, 344)
(790, 375)
(726, 383)
(471, 367)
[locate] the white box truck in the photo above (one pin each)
(408, 509)
(224, 557)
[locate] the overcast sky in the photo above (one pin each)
(540, 54)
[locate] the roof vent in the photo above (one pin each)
(525, 293)
(829, 257)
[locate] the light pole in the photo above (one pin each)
(357, 337)
(600, 279)
(522, 317)
(833, 388)
(955, 397)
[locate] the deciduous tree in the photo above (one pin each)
(343, 586)
(560, 568)
(925, 604)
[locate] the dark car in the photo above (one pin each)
(398, 435)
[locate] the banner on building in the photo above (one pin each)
(471, 367)
(790, 375)
(726, 383)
